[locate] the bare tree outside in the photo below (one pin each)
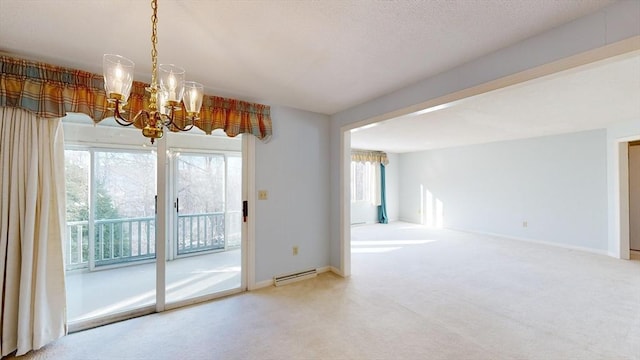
(125, 188)
(201, 183)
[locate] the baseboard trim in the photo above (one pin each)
(320, 270)
(332, 269)
(411, 221)
(262, 284)
(541, 242)
(335, 270)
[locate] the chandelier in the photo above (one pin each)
(166, 97)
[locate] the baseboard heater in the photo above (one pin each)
(289, 278)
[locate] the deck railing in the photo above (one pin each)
(77, 245)
(200, 232)
(124, 240)
(119, 241)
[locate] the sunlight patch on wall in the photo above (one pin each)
(431, 208)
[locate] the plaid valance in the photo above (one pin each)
(51, 91)
(369, 156)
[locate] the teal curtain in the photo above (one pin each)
(382, 208)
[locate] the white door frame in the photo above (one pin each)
(621, 197)
(249, 227)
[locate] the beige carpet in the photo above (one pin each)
(414, 294)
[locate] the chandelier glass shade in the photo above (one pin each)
(167, 90)
(118, 76)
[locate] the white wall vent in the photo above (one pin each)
(289, 278)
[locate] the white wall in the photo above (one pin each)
(293, 168)
(393, 187)
(365, 212)
(607, 26)
(557, 184)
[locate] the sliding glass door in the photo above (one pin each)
(204, 251)
(130, 203)
(110, 237)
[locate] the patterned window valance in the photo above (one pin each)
(51, 91)
(369, 156)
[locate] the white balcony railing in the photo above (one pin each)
(119, 241)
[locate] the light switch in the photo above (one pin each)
(262, 194)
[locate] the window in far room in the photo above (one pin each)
(363, 181)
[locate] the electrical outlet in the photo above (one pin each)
(295, 250)
(262, 194)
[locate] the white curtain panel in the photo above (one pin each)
(32, 206)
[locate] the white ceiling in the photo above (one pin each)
(321, 56)
(589, 97)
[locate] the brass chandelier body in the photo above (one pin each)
(165, 98)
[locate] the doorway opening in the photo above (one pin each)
(618, 239)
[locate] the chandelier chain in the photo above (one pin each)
(154, 42)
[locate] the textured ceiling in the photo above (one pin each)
(589, 97)
(322, 56)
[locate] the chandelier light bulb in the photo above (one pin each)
(172, 82)
(172, 86)
(193, 97)
(193, 93)
(117, 87)
(118, 76)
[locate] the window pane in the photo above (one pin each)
(234, 191)
(360, 181)
(363, 181)
(234, 201)
(125, 184)
(202, 183)
(77, 189)
(125, 206)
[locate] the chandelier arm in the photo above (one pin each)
(171, 121)
(186, 128)
(140, 113)
(118, 117)
(122, 121)
(167, 119)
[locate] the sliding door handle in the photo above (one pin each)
(245, 210)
